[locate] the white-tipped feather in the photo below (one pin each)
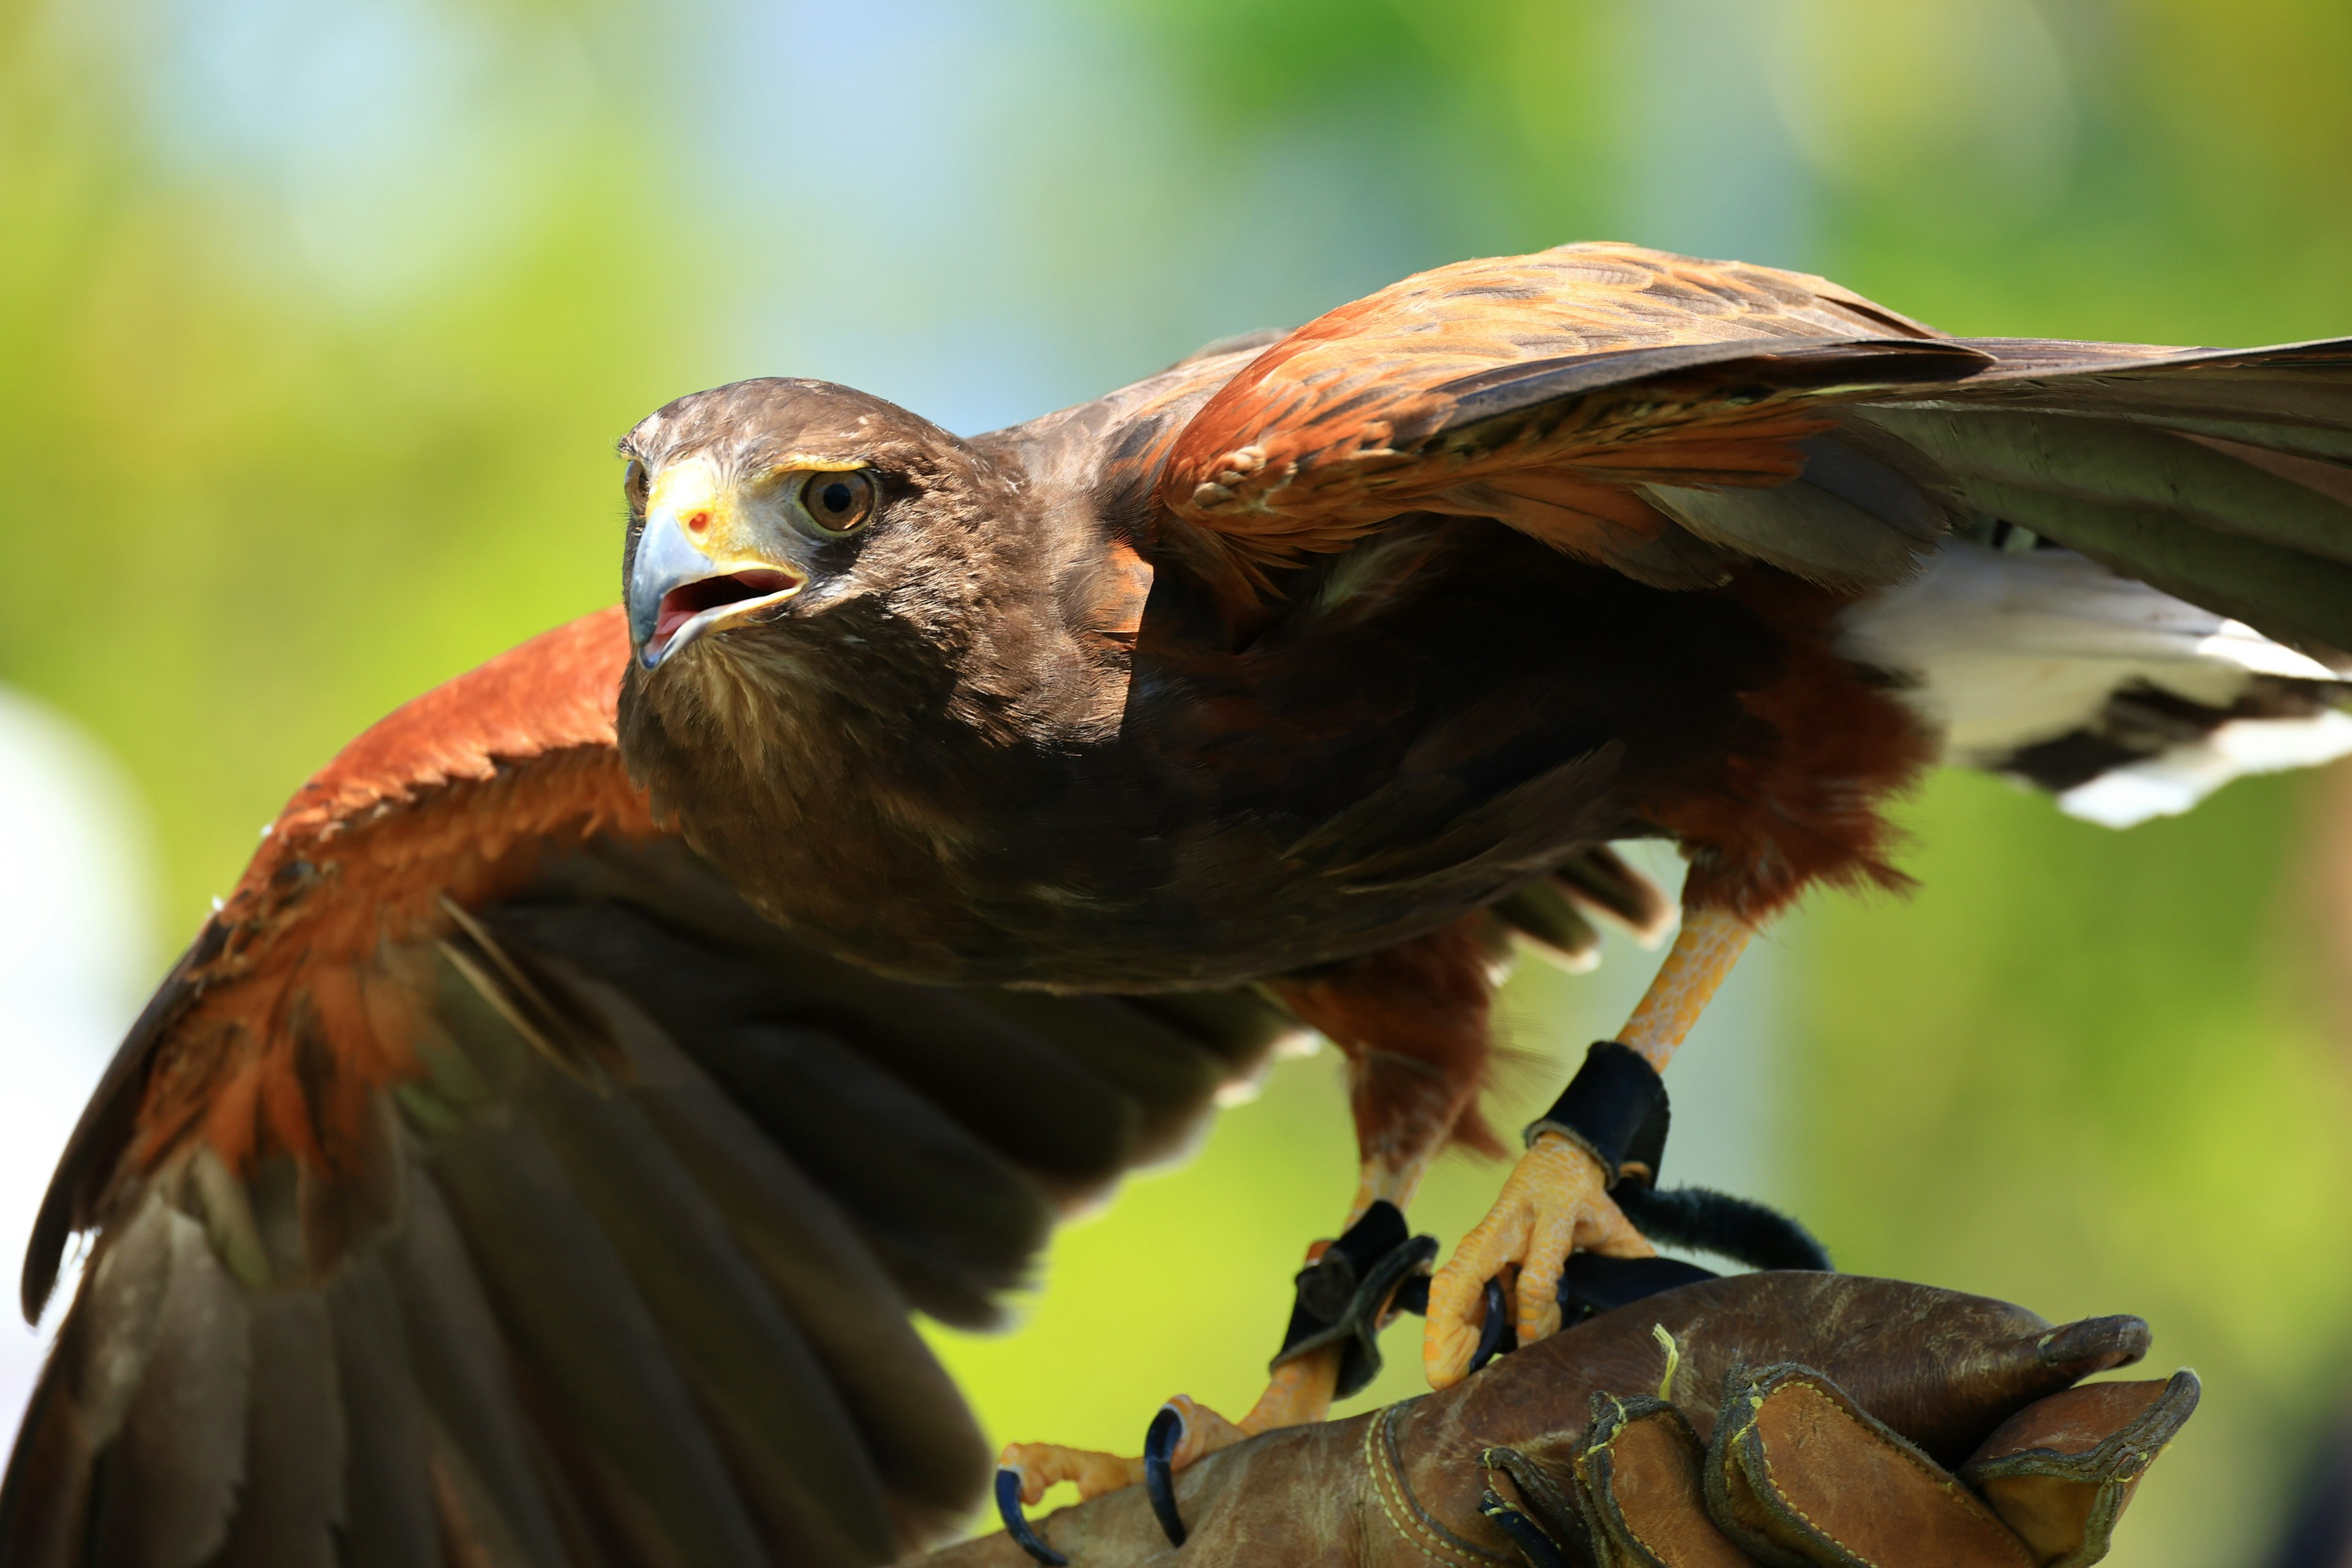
(2170, 784)
(2010, 648)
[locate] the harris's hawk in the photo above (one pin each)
(537, 1158)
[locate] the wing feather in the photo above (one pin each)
(576, 1213)
(487, 1486)
(1669, 417)
(592, 1349)
(2126, 464)
(388, 1493)
(291, 1510)
(168, 1480)
(1584, 371)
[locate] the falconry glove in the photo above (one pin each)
(1790, 1420)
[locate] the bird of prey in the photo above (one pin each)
(536, 1157)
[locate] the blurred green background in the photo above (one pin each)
(318, 320)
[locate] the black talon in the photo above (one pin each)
(1016, 1523)
(1160, 1442)
(1495, 1329)
(1534, 1546)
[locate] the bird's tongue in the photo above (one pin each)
(680, 606)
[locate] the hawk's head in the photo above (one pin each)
(761, 509)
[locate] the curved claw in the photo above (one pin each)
(1534, 1546)
(1496, 1328)
(1160, 1441)
(1016, 1523)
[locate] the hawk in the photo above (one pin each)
(540, 1153)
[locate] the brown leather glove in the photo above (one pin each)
(1808, 1419)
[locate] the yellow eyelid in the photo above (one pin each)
(800, 465)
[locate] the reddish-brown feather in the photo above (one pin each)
(1412, 1021)
(1302, 451)
(1797, 799)
(303, 1008)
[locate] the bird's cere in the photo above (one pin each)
(704, 558)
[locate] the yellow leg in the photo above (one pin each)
(1379, 1179)
(1300, 1390)
(1556, 1200)
(1705, 951)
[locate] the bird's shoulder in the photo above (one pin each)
(450, 801)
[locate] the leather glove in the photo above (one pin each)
(1784, 1419)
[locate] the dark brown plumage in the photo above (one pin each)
(589, 1084)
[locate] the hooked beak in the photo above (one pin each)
(689, 577)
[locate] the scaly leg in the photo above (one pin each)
(1412, 1022)
(1555, 1199)
(1299, 1390)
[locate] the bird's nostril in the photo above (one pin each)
(697, 521)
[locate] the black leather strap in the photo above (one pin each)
(1615, 1108)
(1340, 1294)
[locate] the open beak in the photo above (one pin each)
(691, 575)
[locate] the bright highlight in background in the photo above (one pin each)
(75, 965)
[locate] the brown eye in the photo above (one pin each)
(838, 503)
(633, 484)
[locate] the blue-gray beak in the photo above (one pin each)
(678, 592)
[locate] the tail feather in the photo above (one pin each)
(2123, 700)
(2150, 593)
(2217, 476)
(2297, 598)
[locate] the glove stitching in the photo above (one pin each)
(1780, 1495)
(1382, 1457)
(1943, 1481)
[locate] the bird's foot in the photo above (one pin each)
(1183, 1432)
(1041, 1467)
(1349, 1289)
(1555, 1202)
(1300, 1390)
(1200, 1431)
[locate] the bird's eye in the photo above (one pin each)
(633, 484)
(838, 503)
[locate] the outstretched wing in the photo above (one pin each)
(1667, 416)
(2221, 476)
(1541, 390)
(489, 1183)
